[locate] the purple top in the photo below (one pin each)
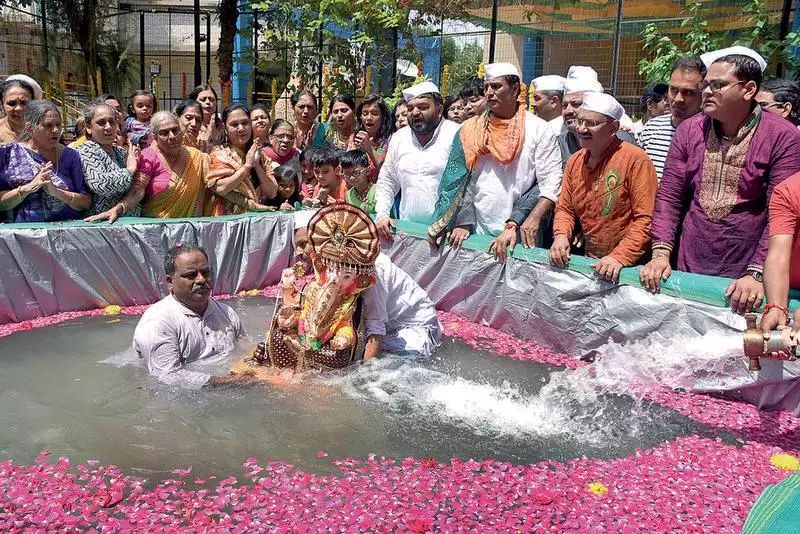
(18, 167)
(740, 239)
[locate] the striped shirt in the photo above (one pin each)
(655, 139)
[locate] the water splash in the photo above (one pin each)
(565, 407)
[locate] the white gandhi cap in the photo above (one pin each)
(493, 70)
(548, 83)
(603, 103)
(582, 79)
(420, 89)
(710, 57)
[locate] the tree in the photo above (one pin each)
(228, 12)
(82, 19)
(463, 61)
(759, 34)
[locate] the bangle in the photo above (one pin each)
(511, 225)
(124, 207)
(769, 307)
(20, 194)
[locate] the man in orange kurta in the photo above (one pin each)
(609, 187)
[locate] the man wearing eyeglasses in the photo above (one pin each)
(609, 188)
(718, 179)
(781, 97)
(685, 101)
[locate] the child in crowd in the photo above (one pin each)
(355, 169)
(288, 189)
(307, 169)
(141, 106)
(331, 187)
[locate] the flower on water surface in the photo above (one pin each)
(598, 488)
(787, 462)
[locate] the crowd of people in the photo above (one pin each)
(707, 181)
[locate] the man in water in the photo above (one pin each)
(187, 325)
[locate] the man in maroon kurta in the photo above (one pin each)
(720, 173)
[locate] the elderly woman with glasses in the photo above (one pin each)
(170, 182)
(40, 179)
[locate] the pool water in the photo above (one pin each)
(78, 390)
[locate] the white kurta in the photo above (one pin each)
(495, 187)
(398, 309)
(556, 124)
(414, 170)
(170, 336)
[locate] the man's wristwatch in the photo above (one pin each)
(758, 275)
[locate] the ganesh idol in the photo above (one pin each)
(319, 325)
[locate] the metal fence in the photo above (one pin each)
(156, 47)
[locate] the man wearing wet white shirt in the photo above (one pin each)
(400, 312)
(415, 160)
(187, 325)
(399, 317)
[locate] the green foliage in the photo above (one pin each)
(759, 33)
(120, 66)
(291, 31)
(397, 95)
(463, 60)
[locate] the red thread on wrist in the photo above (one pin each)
(769, 307)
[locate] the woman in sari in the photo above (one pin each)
(237, 177)
(309, 131)
(262, 124)
(40, 179)
(281, 150)
(172, 176)
(14, 96)
(342, 120)
(210, 128)
(107, 170)
(190, 119)
(170, 182)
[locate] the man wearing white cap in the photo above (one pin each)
(580, 81)
(501, 156)
(548, 96)
(415, 160)
(609, 187)
(684, 99)
(720, 173)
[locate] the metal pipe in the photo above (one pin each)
(46, 54)
(786, 14)
(141, 50)
(208, 47)
(615, 56)
(395, 38)
(319, 68)
(198, 74)
(493, 35)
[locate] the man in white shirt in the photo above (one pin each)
(415, 160)
(510, 151)
(399, 317)
(400, 312)
(187, 325)
(548, 96)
